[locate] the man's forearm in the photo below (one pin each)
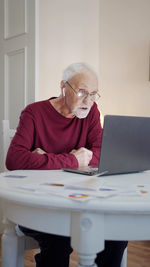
(21, 159)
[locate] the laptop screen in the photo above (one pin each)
(125, 144)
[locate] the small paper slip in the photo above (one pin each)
(104, 194)
(129, 190)
(143, 189)
(75, 196)
(28, 187)
(14, 176)
(138, 189)
(92, 184)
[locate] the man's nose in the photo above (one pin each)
(87, 100)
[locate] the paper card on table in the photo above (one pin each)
(129, 189)
(80, 196)
(92, 184)
(15, 176)
(143, 188)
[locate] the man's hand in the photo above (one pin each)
(83, 156)
(39, 151)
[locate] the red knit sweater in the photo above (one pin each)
(42, 126)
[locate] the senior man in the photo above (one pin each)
(62, 132)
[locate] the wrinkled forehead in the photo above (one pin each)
(86, 80)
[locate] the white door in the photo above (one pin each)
(18, 59)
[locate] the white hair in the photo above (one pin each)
(76, 68)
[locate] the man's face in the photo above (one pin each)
(83, 82)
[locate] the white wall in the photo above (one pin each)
(113, 36)
(124, 56)
(68, 32)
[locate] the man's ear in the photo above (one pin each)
(63, 91)
(62, 85)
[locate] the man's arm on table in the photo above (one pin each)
(21, 156)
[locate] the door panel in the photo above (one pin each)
(18, 54)
(15, 76)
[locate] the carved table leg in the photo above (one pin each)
(87, 260)
(9, 246)
(87, 236)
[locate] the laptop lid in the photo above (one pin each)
(125, 145)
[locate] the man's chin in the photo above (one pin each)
(81, 114)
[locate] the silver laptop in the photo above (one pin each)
(125, 147)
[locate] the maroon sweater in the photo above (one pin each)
(42, 126)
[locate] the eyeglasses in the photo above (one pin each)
(82, 93)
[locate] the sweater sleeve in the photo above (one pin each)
(94, 138)
(20, 154)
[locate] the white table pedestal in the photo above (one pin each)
(87, 236)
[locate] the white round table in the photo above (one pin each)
(89, 223)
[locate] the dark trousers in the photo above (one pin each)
(55, 250)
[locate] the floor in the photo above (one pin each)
(138, 256)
